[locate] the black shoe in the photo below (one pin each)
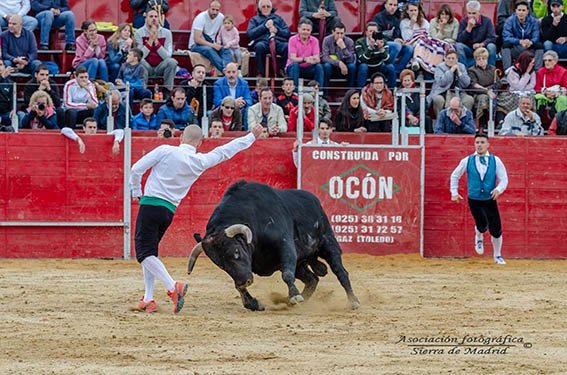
(70, 47)
(44, 48)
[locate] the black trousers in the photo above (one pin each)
(486, 216)
(151, 224)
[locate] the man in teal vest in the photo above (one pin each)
(483, 171)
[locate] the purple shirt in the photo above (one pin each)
(300, 49)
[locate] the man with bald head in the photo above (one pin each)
(19, 48)
(235, 87)
(456, 119)
(174, 170)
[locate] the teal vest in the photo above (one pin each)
(480, 189)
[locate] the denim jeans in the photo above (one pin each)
(218, 58)
(48, 21)
(96, 68)
(466, 54)
(332, 71)
(262, 48)
(29, 23)
(387, 69)
(401, 53)
(29, 69)
(294, 71)
(561, 49)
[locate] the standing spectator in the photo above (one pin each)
(146, 119)
(475, 31)
(42, 82)
(324, 132)
(90, 128)
(338, 57)
(413, 103)
(40, 112)
(235, 87)
(196, 93)
(229, 38)
(19, 47)
(373, 56)
(10, 8)
(456, 119)
(551, 82)
(203, 35)
(118, 109)
(135, 74)
(228, 114)
(350, 116)
(377, 102)
(308, 115)
(483, 85)
(521, 79)
(6, 98)
(521, 32)
(140, 7)
(91, 51)
(303, 55)
(451, 78)
(216, 130)
(52, 15)
(119, 44)
(177, 109)
(388, 21)
(523, 120)
(322, 14)
(267, 114)
(554, 29)
(79, 98)
(263, 29)
(444, 26)
(324, 107)
(288, 100)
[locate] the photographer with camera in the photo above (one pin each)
(373, 54)
(41, 112)
(166, 129)
(90, 128)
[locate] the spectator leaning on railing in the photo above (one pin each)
(90, 128)
(523, 120)
(456, 119)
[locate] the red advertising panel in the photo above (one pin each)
(372, 195)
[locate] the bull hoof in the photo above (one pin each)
(354, 304)
(254, 305)
(296, 299)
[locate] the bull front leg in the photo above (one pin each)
(248, 301)
(289, 262)
(309, 279)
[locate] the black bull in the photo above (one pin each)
(258, 229)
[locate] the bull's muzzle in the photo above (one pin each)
(248, 282)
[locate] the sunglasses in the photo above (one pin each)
(547, 60)
(227, 107)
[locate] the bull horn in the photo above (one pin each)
(198, 249)
(235, 229)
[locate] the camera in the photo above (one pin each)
(167, 133)
(41, 106)
(377, 35)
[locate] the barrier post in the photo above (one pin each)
(205, 118)
(395, 123)
(15, 121)
(490, 117)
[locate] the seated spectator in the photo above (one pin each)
(79, 98)
(263, 29)
(52, 15)
(135, 74)
(456, 119)
(303, 55)
(156, 44)
(204, 30)
(146, 119)
(559, 124)
(377, 103)
(6, 98)
(166, 129)
(484, 83)
(40, 112)
(338, 57)
(216, 130)
(228, 115)
(475, 31)
(42, 82)
(373, 56)
(261, 83)
(308, 115)
(236, 87)
(324, 107)
(503, 12)
(542, 8)
(19, 47)
(118, 108)
(324, 132)
(388, 21)
(521, 78)
(196, 93)
(91, 51)
(90, 128)
(350, 115)
(444, 26)
(177, 109)
(523, 120)
(140, 7)
(322, 14)
(10, 8)
(267, 114)
(288, 100)
(550, 87)
(413, 103)
(451, 78)
(229, 38)
(554, 29)
(521, 32)
(119, 44)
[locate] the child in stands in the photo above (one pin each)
(135, 74)
(288, 100)
(229, 38)
(146, 119)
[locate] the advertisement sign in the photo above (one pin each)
(372, 194)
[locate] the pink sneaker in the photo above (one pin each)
(177, 296)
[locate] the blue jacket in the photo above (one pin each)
(482, 32)
(41, 5)
(139, 122)
(514, 32)
(445, 125)
(181, 117)
(221, 90)
(257, 30)
(389, 24)
(13, 47)
(101, 114)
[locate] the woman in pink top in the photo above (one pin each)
(91, 51)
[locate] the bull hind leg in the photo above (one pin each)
(330, 251)
(308, 278)
(248, 301)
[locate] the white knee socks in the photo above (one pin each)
(157, 269)
(149, 283)
(497, 245)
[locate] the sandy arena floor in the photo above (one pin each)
(72, 317)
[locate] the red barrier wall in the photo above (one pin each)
(44, 178)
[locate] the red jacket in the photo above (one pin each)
(308, 120)
(548, 78)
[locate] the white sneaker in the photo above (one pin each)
(499, 260)
(479, 246)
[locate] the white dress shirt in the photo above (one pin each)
(501, 174)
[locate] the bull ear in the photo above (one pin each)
(235, 229)
(198, 249)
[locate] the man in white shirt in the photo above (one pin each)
(204, 33)
(323, 138)
(174, 169)
(483, 171)
(90, 128)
